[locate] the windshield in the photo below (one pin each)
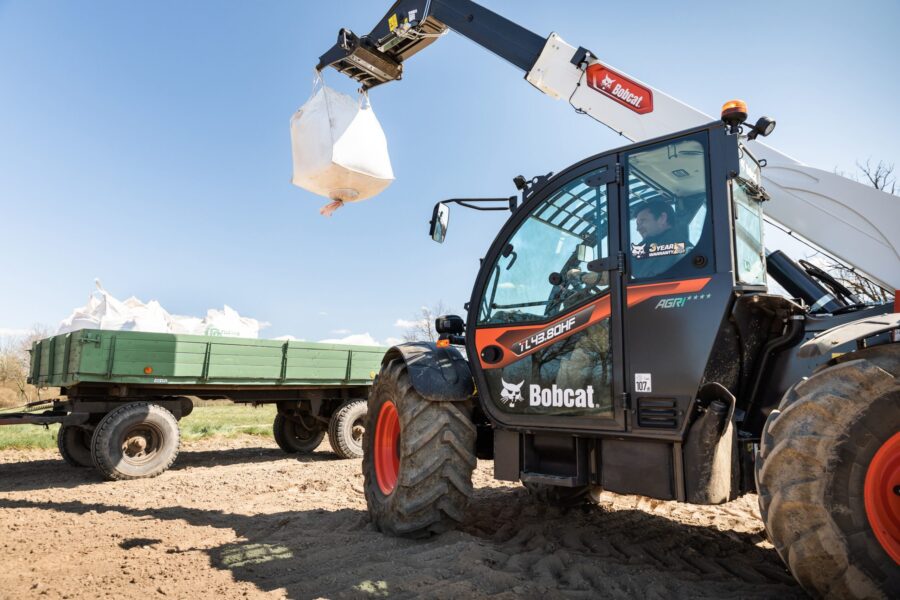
(539, 272)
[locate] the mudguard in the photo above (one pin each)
(437, 374)
(848, 332)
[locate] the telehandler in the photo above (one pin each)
(621, 334)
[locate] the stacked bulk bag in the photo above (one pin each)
(103, 311)
(339, 149)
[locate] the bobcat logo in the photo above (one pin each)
(607, 82)
(511, 393)
(638, 250)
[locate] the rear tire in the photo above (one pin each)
(346, 429)
(293, 437)
(811, 472)
(563, 497)
(135, 441)
(418, 459)
(74, 445)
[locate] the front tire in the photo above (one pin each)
(815, 470)
(418, 459)
(74, 445)
(135, 441)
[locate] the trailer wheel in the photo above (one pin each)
(294, 436)
(346, 428)
(135, 441)
(554, 495)
(418, 459)
(74, 445)
(828, 476)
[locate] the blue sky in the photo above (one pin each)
(147, 144)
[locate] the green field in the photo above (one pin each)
(225, 420)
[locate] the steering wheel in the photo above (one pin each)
(570, 288)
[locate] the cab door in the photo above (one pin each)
(544, 331)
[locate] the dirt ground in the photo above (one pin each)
(237, 518)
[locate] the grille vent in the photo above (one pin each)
(657, 413)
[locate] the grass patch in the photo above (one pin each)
(224, 420)
(27, 436)
(228, 420)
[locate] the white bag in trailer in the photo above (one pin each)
(103, 311)
(339, 148)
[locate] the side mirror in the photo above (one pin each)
(451, 324)
(440, 219)
(585, 253)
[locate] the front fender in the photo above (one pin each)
(437, 374)
(848, 332)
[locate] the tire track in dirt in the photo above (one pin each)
(236, 518)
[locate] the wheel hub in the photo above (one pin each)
(882, 496)
(140, 445)
(135, 446)
(357, 431)
(387, 448)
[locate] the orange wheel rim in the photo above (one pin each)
(882, 496)
(387, 448)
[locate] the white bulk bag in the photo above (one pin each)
(339, 148)
(103, 311)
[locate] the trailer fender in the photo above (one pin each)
(437, 374)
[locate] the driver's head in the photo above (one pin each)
(653, 218)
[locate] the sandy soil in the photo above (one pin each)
(237, 518)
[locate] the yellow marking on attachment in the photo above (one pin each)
(392, 22)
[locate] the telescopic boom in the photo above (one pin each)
(854, 223)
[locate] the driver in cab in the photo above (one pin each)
(661, 246)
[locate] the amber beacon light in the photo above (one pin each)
(734, 113)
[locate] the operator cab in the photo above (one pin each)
(657, 239)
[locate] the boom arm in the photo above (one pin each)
(853, 222)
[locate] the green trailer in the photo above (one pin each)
(122, 393)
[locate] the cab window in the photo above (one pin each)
(670, 234)
(542, 270)
(749, 247)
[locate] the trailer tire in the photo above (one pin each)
(818, 452)
(563, 497)
(419, 457)
(293, 438)
(346, 429)
(135, 441)
(74, 445)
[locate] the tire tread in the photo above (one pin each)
(437, 459)
(795, 468)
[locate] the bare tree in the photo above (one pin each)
(862, 287)
(880, 176)
(15, 355)
(421, 327)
